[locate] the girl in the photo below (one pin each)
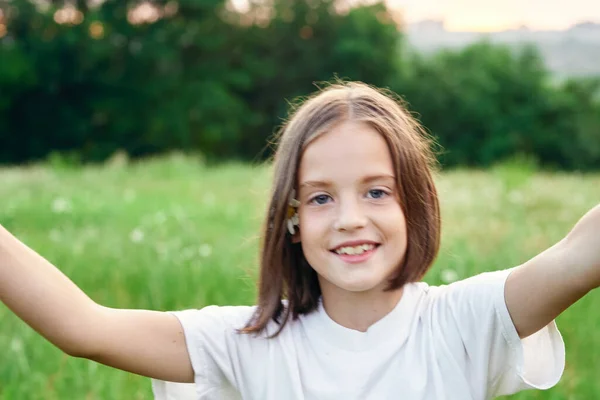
(352, 226)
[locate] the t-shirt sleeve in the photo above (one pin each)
(494, 351)
(215, 349)
(163, 390)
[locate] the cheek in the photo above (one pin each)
(393, 224)
(313, 223)
(390, 215)
(313, 234)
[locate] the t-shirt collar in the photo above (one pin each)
(393, 326)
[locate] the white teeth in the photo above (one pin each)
(355, 250)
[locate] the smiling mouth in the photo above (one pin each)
(355, 250)
(356, 254)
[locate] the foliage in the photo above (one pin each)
(487, 102)
(207, 78)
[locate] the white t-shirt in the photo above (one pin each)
(448, 342)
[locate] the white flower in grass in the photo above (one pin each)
(78, 248)
(516, 197)
(55, 235)
(232, 211)
(187, 254)
(136, 235)
(61, 205)
(129, 195)
(209, 199)
(179, 213)
(205, 250)
(578, 199)
(449, 275)
(10, 208)
(16, 345)
(162, 249)
(90, 233)
(160, 218)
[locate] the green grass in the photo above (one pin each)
(172, 234)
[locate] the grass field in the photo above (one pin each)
(171, 234)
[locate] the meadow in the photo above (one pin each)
(172, 233)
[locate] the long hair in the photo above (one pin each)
(284, 271)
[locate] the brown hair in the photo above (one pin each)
(284, 271)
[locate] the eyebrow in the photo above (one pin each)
(366, 179)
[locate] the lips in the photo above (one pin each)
(354, 244)
(356, 251)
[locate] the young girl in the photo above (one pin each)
(352, 226)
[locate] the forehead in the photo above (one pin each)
(348, 152)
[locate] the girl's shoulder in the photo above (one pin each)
(229, 320)
(219, 317)
(480, 285)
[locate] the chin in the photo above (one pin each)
(360, 286)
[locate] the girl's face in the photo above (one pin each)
(352, 229)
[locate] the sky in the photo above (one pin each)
(493, 15)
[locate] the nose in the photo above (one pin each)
(350, 215)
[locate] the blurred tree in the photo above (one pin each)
(191, 74)
(484, 103)
(295, 46)
(199, 75)
(574, 120)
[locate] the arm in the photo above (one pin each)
(144, 342)
(539, 290)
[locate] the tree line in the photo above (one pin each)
(148, 77)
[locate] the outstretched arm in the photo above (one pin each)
(539, 290)
(144, 342)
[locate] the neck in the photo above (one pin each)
(358, 310)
